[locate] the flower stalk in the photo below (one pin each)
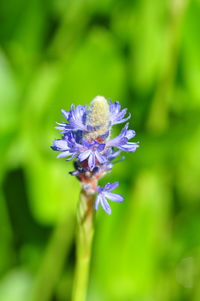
(86, 139)
(84, 237)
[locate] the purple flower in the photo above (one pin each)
(104, 194)
(86, 137)
(67, 145)
(121, 141)
(116, 116)
(76, 118)
(62, 145)
(93, 153)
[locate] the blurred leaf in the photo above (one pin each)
(15, 286)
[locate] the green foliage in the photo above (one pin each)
(146, 55)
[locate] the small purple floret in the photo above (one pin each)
(116, 116)
(104, 194)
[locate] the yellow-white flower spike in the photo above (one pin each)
(98, 116)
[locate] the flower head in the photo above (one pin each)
(85, 137)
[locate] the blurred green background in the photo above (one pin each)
(145, 54)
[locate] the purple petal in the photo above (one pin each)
(117, 117)
(115, 197)
(113, 142)
(61, 144)
(60, 128)
(124, 130)
(130, 134)
(117, 141)
(129, 147)
(111, 186)
(115, 107)
(68, 127)
(122, 113)
(63, 154)
(72, 157)
(97, 202)
(62, 124)
(99, 157)
(74, 173)
(100, 190)
(105, 205)
(101, 146)
(84, 155)
(122, 120)
(91, 161)
(65, 114)
(114, 155)
(82, 111)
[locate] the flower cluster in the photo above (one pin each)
(86, 138)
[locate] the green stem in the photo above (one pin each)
(84, 238)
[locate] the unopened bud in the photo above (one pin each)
(98, 117)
